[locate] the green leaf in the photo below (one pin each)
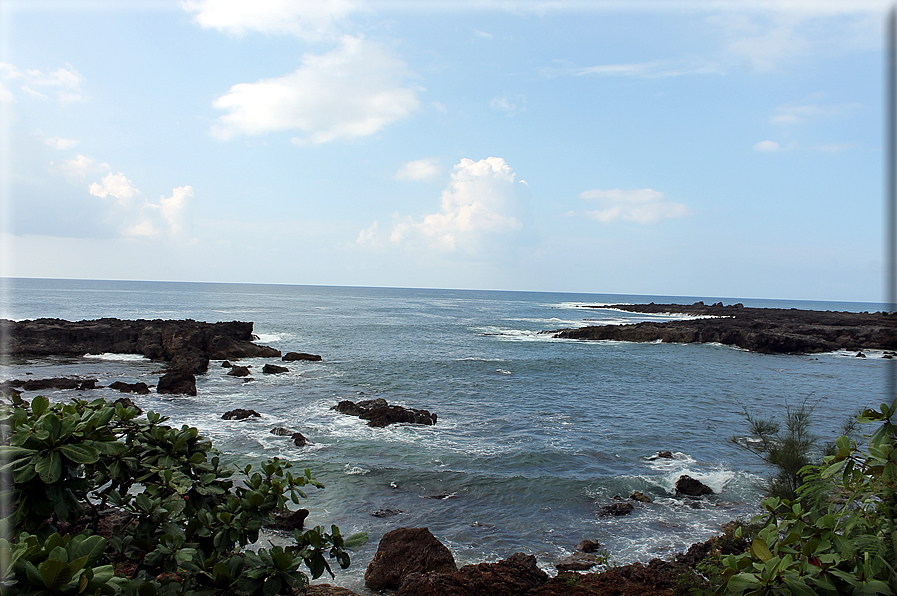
(49, 467)
(91, 547)
(39, 405)
(355, 540)
(55, 573)
(50, 423)
(760, 550)
(80, 454)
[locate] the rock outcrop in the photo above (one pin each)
(765, 330)
(294, 356)
(405, 551)
(138, 388)
(687, 485)
(177, 382)
(240, 414)
(273, 369)
(378, 413)
(185, 344)
(515, 576)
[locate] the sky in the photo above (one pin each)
(693, 148)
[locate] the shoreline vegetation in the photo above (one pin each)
(62, 464)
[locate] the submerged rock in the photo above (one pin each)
(378, 413)
(294, 356)
(138, 388)
(273, 369)
(617, 509)
(687, 485)
(240, 414)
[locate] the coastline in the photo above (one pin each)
(763, 330)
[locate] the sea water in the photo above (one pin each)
(534, 434)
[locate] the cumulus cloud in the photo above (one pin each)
(124, 208)
(307, 19)
(419, 169)
(116, 185)
(642, 205)
(59, 143)
(483, 201)
(63, 83)
(351, 92)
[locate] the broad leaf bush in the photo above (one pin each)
(839, 536)
(107, 502)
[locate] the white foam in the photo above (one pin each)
(502, 371)
(118, 357)
(355, 470)
(268, 337)
(869, 354)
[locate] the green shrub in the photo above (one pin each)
(177, 522)
(839, 536)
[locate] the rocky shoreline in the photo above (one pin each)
(764, 330)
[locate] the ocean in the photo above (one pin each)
(534, 434)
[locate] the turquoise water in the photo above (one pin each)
(534, 434)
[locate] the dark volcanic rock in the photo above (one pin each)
(240, 414)
(186, 344)
(404, 551)
(290, 521)
(687, 485)
(588, 546)
(386, 512)
(617, 509)
(657, 578)
(577, 562)
(239, 371)
(765, 330)
(138, 388)
(273, 369)
(127, 403)
(299, 440)
(514, 576)
(379, 413)
(641, 497)
(294, 356)
(177, 381)
(281, 431)
(42, 384)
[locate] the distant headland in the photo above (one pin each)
(764, 330)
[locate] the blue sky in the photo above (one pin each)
(726, 149)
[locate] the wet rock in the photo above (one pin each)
(378, 413)
(294, 356)
(662, 455)
(687, 485)
(588, 546)
(860, 355)
(616, 509)
(281, 432)
(240, 414)
(239, 371)
(404, 551)
(291, 520)
(299, 440)
(515, 576)
(386, 512)
(577, 562)
(226, 364)
(43, 384)
(138, 388)
(658, 578)
(127, 403)
(184, 344)
(87, 384)
(640, 497)
(177, 381)
(273, 369)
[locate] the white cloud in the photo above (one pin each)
(308, 19)
(647, 70)
(834, 148)
(64, 82)
(482, 202)
(59, 143)
(798, 113)
(511, 104)
(75, 170)
(767, 146)
(174, 207)
(642, 205)
(116, 185)
(419, 169)
(482, 34)
(351, 92)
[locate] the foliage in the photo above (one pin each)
(789, 449)
(177, 522)
(839, 536)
